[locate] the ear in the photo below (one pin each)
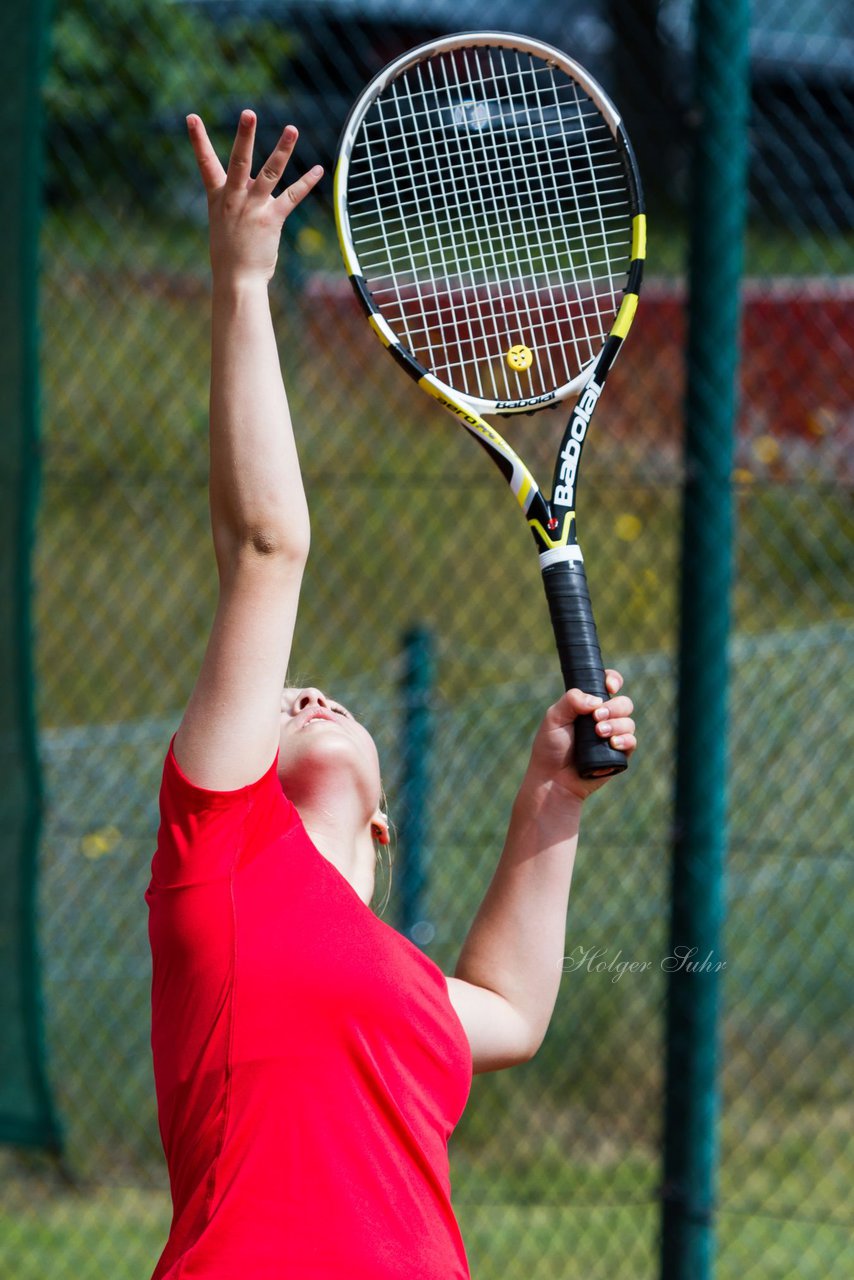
(379, 827)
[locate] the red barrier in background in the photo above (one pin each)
(798, 334)
(797, 379)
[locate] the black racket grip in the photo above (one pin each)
(580, 662)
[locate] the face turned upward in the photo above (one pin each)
(326, 757)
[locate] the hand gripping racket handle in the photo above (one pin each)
(580, 661)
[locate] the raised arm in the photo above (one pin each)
(506, 981)
(259, 519)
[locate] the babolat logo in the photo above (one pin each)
(564, 494)
(510, 404)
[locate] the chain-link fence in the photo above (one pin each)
(556, 1164)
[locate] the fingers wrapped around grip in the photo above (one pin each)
(581, 662)
(614, 722)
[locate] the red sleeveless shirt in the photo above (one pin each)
(308, 1064)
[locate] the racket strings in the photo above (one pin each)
(597, 194)
(396, 154)
(520, 174)
(494, 331)
(489, 207)
(591, 332)
(520, 192)
(392, 175)
(447, 217)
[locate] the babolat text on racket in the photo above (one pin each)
(491, 219)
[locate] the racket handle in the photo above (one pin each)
(580, 662)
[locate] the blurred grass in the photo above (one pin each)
(119, 1231)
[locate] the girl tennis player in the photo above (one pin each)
(310, 1062)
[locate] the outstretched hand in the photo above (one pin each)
(246, 220)
(552, 752)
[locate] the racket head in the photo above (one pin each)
(489, 211)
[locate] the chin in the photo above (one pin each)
(326, 761)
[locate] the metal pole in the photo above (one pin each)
(27, 1109)
(418, 677)
(717, 223)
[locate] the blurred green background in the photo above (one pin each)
(555, 1165)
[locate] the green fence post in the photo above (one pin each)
(27, 1114)
(415, 758)
(717, 223)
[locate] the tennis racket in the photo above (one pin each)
(490, 216)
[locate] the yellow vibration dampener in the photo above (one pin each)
(520, 358)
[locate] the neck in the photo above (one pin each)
(343, 843)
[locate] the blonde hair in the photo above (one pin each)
(384, 854)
